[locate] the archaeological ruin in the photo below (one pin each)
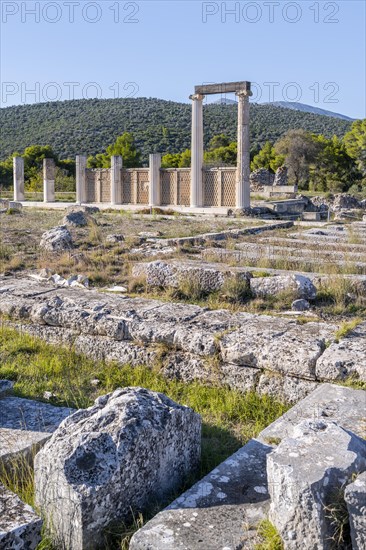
(178, 279)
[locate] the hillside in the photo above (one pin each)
(89, 126)
(308, 109)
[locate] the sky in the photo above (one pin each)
(307, 51)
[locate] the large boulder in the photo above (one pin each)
(260, 178)
(20, 527)
(134, 446)
(301, 286)
(355, 497)
(77, 218)
(306, 476)
(57, 239)
(281, 176)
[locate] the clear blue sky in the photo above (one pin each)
(163, 48)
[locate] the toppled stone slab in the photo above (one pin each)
(346, 358)
(224, 508)
(301, 286)
(20, 527)
(106, 462)
(25, 425)
(173, 274)
(329, 402)
(220, 511)
(306, 474)
(355, 497)
(6, 387)
(57, 239)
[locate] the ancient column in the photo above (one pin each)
(81, 179)
(243, 162)
(49, 169)
(116, 179)
(197, 150)
(18, 178)
(155, 187)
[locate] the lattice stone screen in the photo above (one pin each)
(98, 185)
(228, 183)
(184, 186)
(142, 185)
(175, 186)
(135, 186)
(211, 187)
(168, 182)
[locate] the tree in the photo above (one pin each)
(299, 150)
(171, 160)
(125, 147)
(333, 169)
(222, 156)
(355, 143)
(267, 158)
(220, 140)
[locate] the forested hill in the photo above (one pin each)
(89, 126)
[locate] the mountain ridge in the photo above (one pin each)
(88, 126)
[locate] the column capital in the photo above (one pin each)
(197, 97)
(244, 93)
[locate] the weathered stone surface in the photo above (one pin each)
(261, 177)
(173, 274)
(224, 508)
(26, 424)
(6, 387)
(20, 527)
(220, 511)
(305, 474)
(82, 208)
(115, 238)
(265, 341)
(57, 239)
(76, 218)
(330, 402)
(112, 459)
(355, 497)
(286, 388)
(281, 176)
(300, 305)
(301, 286)
(345, 359)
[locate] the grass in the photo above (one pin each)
(230, 418)
(270, 537)
(346, 328)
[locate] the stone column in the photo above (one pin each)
(81, 179)
(18, 178)
(116, 179)
(243, 162)
(155, 187)
(49, 169)
(197, 150)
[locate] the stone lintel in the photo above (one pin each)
(223, 88)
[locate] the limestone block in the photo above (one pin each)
(130, 448)
(346, 358)
(330, 402)
(221, 511)
(306, 474)
(25, 425)
(270, 286)
(57, 239)
(205, 277)
(355, 497)
(76, 218)
(20, 527)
